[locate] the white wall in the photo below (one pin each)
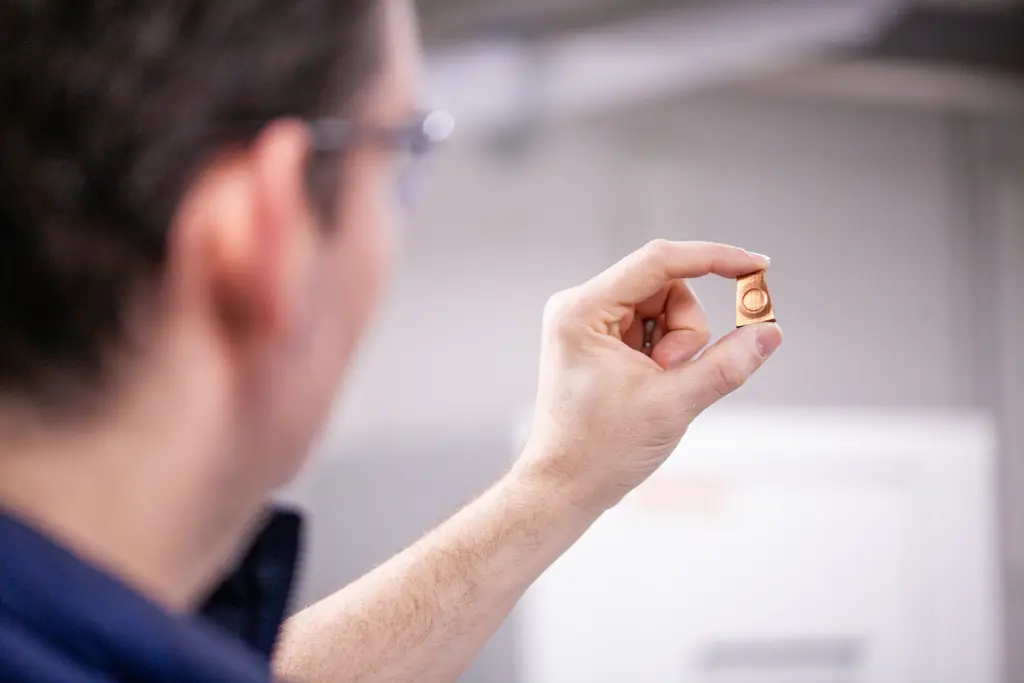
(857, 207)
(852, 205)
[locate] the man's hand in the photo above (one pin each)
(607, 415)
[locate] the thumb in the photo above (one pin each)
(725, 367)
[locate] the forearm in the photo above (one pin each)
(424, 615)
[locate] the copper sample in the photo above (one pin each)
(753, 302)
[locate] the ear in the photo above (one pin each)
(245, 238)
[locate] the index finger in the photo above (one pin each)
(648, 270)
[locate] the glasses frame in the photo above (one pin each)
(420, 136)
(417, 138)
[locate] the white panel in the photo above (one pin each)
(870, 532)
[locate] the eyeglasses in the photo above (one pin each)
(416, 139)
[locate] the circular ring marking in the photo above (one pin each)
(755, 302)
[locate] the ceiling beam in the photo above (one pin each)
(494, 83)
(904, 84)
(450, 21)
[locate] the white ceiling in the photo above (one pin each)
(625, 52)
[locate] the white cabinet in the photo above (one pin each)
(795, 546)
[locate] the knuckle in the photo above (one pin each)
(727, 377)
(560, 310)
(556, 305)
(657, 250)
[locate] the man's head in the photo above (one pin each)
(166, 223)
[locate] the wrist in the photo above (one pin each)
(540, 475)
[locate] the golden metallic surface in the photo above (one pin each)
(753, 301)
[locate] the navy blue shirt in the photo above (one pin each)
(64, 621)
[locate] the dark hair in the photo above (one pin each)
(107, 110)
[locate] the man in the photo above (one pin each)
(195, 201)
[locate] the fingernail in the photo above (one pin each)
(766, 258)
(768, 338)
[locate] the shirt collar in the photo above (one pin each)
(252, 601)
(55, 604)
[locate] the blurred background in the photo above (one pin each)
(875, 150)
